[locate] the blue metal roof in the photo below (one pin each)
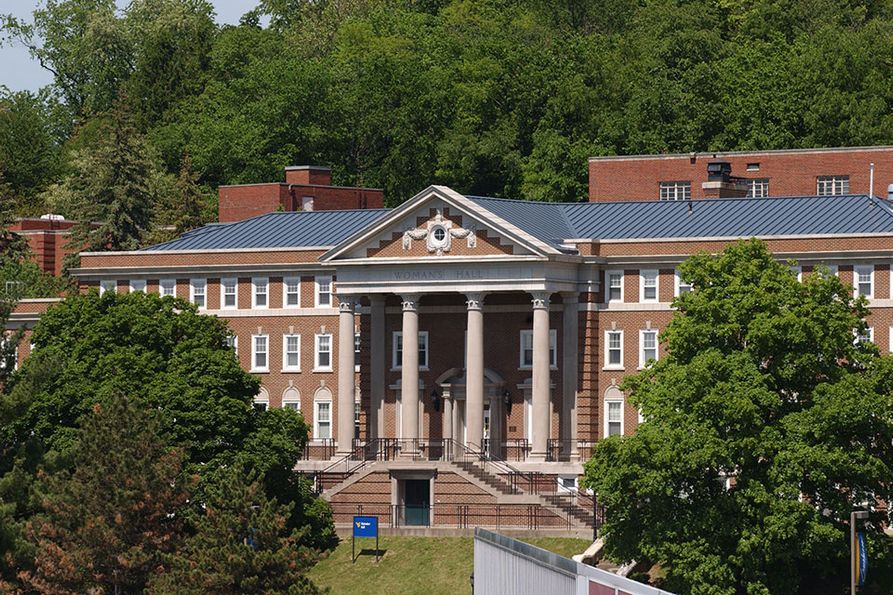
(553, 223)
(301, 229)
(731, 217)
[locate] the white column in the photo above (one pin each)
(540, 380)
(569, 372)
(346, 374)
(474, 372)
(378, 349)
(409, 381)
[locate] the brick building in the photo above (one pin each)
(514, 322)
(796, 172)
(48, 238)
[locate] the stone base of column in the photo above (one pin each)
(575, 457)
(537, 457)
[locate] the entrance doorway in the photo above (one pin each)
(417, 499)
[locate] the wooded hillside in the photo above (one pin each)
(496, 97)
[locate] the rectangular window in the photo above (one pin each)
(260, 353)
(137, 285)
(758, 188)
(323, 352)
(232, 341)
(832, 185)
(323, 292)
(291, 353)
(322, 420)
(614, 418)
(614, 286)
(648, 289)
(863, 280)
(753, 167)
(291, 404)
(292, 289)
(614, 349)
(526, 355)
(868, 336)
(108, 285)
(397, 350)
(681, 286)
(678, 190)
(356, 421)
(259, 287)
(648, 342)
(228, 293)
(261, 403)
(167, 287)
(357, 347)
(197, 292)
(14, 289)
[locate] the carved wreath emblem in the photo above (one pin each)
(438, 234)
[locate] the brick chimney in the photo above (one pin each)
(315, 175)
(721, 183)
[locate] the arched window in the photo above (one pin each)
(262, 400)
(613, 413)
(291, 399)
(322, 414)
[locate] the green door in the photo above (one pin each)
(418, 502)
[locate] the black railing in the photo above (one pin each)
(460, 516)
(516, 449)
(561, 450)
(319, 450)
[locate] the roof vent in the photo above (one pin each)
(719, 171)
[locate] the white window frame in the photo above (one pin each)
(291, 401)
(317, 293)
(643, 275)
(286, 367)
(642, 359)
(286, 293)
(608, 365)
(608, 275)
(232, 341)
(608, 419)
(357, 350)
(137, 285)
(108, 285)
(832, 185)
(316, 353)
(856, 271)
(167, 284)
(757, 188)
(316, 404)
(673, 190)
(860, 338)
(523, 340)
(397, 354)
(678, 284)
(255, 352)
(234, 283)
(258, 284)
(195, 284)
(262, 400)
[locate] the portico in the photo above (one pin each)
(501, 277)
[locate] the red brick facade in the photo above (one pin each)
(789, 173)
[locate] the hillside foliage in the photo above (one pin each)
(496, 97)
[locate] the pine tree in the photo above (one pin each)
(241, 545)
(110, 188)
(188, 210)
(106, 524)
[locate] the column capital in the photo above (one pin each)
(475, 300)
(540, 299)
(346, 302)
(410, 302)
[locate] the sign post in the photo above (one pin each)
(364, 526)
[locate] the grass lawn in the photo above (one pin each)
(425, 565)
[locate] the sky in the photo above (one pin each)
(19, 72)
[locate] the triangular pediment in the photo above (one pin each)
(439, 223)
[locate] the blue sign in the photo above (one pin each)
(365, 526)
(862, 561)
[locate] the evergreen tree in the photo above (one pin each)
(242, 544)
(106, 523)
(189, 204)
(109, 188)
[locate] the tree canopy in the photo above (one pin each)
(492, 97)
(766, 424)
(92, 349)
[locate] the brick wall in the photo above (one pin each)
(790, 173)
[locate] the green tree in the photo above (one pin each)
(105, 524)
(109, 189)
(241, 544)
(91, 348)
(765, 426)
